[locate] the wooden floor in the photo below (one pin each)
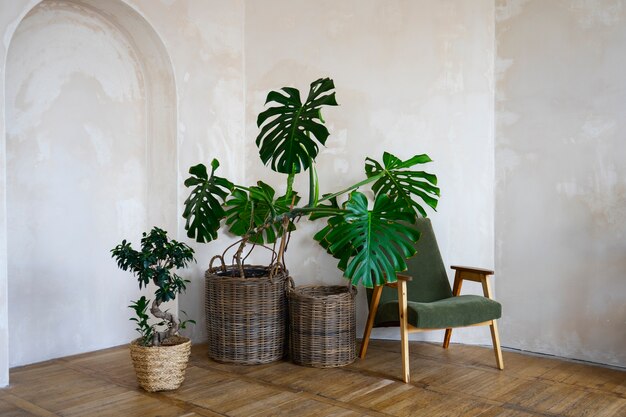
(460, 381)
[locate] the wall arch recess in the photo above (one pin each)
(90, 114)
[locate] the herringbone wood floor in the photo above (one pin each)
(460, 381)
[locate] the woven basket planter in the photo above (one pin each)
(246, 318)
(161, 368)
(322, 325)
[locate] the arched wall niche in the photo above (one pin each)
(85, 133)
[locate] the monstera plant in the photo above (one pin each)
(371, 240)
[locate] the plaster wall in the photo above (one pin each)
(203, 41)
(76, 180)
(10, 15)
(561, 177)
(412, 77)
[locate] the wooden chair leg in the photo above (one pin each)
(404, 330)
(495, 337)
(370, 320)
(446, 338)
(456, 291)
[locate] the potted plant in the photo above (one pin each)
(160, 355)
(371, 244)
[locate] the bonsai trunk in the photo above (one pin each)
(170, 320)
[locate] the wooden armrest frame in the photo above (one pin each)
(401, 278)
(471, 274)
(472, 269)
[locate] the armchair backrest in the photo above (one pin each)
(430, 281)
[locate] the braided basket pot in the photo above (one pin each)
(161, 368)
(246, 318)
(322, 325)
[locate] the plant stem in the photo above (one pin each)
(314, 189)
(283, 241)
(169, 318)
(242, 188)
(298, 211)
(350, 188)
(290, 179)
(240, 249)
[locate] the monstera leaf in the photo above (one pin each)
(403, 184)
(203, 210)
(370, 244)
(291, 131)
(244, 214)
(249, 210)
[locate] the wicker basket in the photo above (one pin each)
(161, 368)
(322, 325)
(246, 318)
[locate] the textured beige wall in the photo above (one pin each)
(76, 180)
(11, 13)
(412, 77)
(561, 177)
(203, 41)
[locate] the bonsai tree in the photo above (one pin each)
(371, 244)
(154, 263)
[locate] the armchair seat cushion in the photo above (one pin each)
(460, 311)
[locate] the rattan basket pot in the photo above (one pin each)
(161, 368)
(322, 325)
(246, 318)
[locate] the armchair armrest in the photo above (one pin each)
(472, 269)
(471, 274)
(401, 278)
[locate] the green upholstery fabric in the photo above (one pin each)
(449, 312)
(430, 281)
(430, 301)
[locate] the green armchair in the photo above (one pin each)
(422, 300)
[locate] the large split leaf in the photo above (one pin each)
(402, 183)
(291, 131)
(247, 211)
(203, 209)
(371, 245)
